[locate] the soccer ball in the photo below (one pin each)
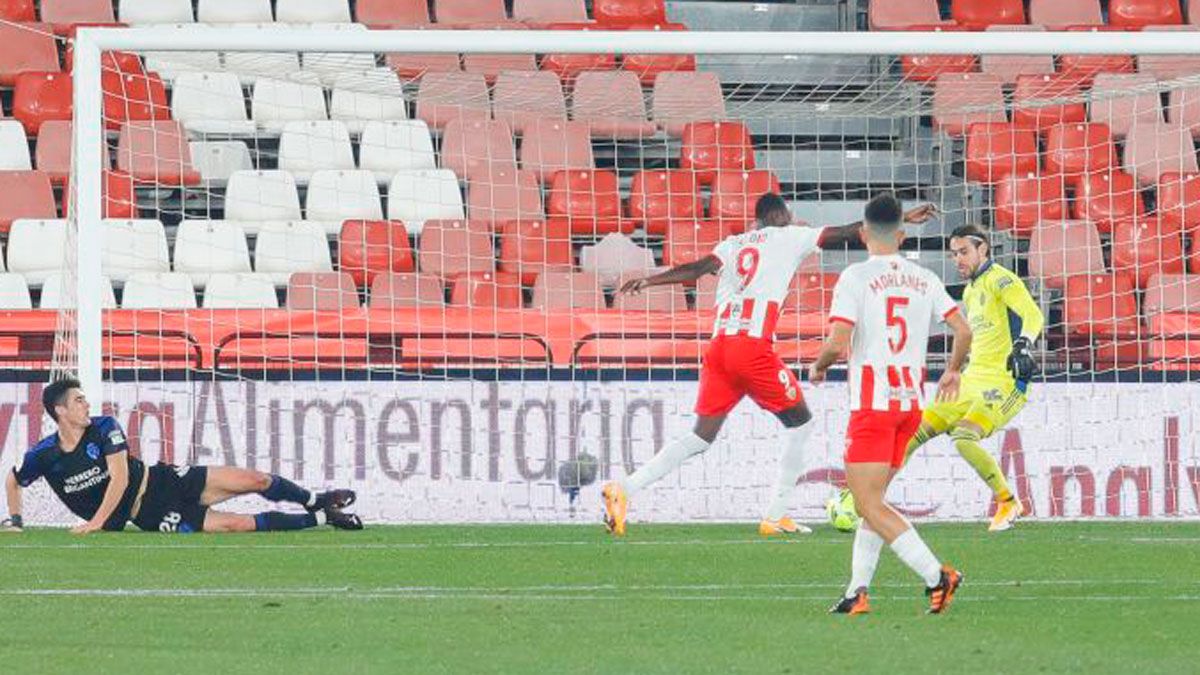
(842, 513)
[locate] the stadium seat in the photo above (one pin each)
(624, 12)
(135, 12)
(1169, 66)
(1122, 100)
(504, 194)
(1022, 201)
(614, 256)
(17, 10)
(735, 194)
(1059, 249)
(682, 97)
(659, 197)
(406, 290)
(1106, 197)
(529, 248)
(240, 290)
(588, 198)
(492, 65)
(207, 247)
(217, 160)
(27, 194)
(321, 291)
(1153, 149)
(328, 66)
(362, 97)
(64, 14)
(250, 67)
(56, 296)
(293, 246)
(649, 66)
(900, 14)
(337, 195)
(549, 11)
(810, 293)
(14, 149)
(392, 13)
(612, 105)
(1058, 14)
(277, 102)
(523, 99)
(962, 99)
(131, 246)
(131, 97)
(569, 65)
(312, 11)
(1179, 200)
(411, 67)
(27, 47)
(256, 197)
(469, 11)
(1184, 108)
(568, 290)
(688, 241)
(995, 149)
(442, 97)
(1073, 149)
(234, 11)
(981, 13)
(1032, 90)
(401, 145)
(1140, 13)
(1008, 67)
(367, 248)
(53, 155)
(550, 146)
(1193, 12)
(926, 68)
(14, 293)
(38, 97)
(667, 298)
(1143, 247)
(158, 290)
(305, 147)
(709, 147)
(488, 290)
(37, 248)
(119, 198)
(210, 103)
(418, 195)
(475, 148)
(451, 247)
(1100, 305)
(170, 65)
(157, 153)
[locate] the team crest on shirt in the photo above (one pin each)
(93, 451)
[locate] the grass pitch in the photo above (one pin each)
(1063, 597)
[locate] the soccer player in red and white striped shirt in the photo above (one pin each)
(756, 269)
(882, 310)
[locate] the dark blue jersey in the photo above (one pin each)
(80, 477)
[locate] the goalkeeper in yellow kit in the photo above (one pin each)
(1005, 321)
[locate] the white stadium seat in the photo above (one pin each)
(132, 246)
(210, 103)
(207, 247)
(335, 196)
(217, 160)
(312, 11)
(155, 11)
(170, 65)
(158, 290)
(360, 97)
(234, 11)
(277, 102)
(329, 65)
(424, 194)
(294, 246)
(14, 149)
(388, 147)
(14, 293)
(36, 248)
(260, 196)
(305, 147)
(241, 290)
(55, 295)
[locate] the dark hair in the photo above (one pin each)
(973, 232)
(883, 213)
(772, 210)
(55, 394)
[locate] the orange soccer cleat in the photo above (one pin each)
(859, 603)
(1007, 513)
(785, 525)
(941, 595)
(615, 507)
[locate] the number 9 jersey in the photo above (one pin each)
(891, 303)
(756, 271)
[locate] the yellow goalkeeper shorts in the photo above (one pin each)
(988, 404)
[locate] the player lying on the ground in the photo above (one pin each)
(882, 310)
(1005, 322)
(756, 269)
(88, 466)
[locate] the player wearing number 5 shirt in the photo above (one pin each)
(755, 270)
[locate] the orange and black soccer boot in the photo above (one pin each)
(615, 507)
(859, 603)
(941, 595)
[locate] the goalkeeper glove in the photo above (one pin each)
(1020, 360)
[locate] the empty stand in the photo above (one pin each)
(668, 298)
(25, 48)
(14, 293)
(409, 66)
(392, 13)
(1184, 108)
(312, 11)
(293, 246)
(682, 97)
(328, 66)
(250, 67)
(1100, 305)
(658, 198)
(419, 195)
(158, 290)
(1033, 106)
(367, 248)
(1179, 201)
(1022, 201)
(452, 247)
(529, 248)
(274, 103)
(568, 66)
(1008, 67)
(234, 11)
(1059, 249)
(242, 290)
(256, 197)
(132, 246)
(1079, 148)
(504, 194)
(476, 148)
(1139, 13)
(337, 195)
(470, 11)
(388, 147)
(926, 68)
(40, 97)
(1144, 247)
(688, 241)
(624, 12)
(523, 99)
(487, 290)
(56, 296)
(155, 11)
(491, 66)
(649, 66)
(588, 199)
(1106, 197)
(568, 290)
(27, 194)
(1169, 66)
(611, 104)
(550, 146)
(962, 99)
(37, 248)
(1122, 100)
(995, 149)
(322, 291)
(1057, 14)
(132, 97)
(53, 156)
(362, 97)
(64, 14)
(444, 96)
(170, 65)
(216, 161)
(614, 256)
(735, 194)
(14, 150)
(156, 152)
(1153, 149)
(987, 12)
(211, 103)
(207, 247)
(549, 11)
(305, 147)
(709, 147)
(406, 290)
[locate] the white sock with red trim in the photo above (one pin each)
(867, 546)
(791, 465)
(913, 551)
(670, 457)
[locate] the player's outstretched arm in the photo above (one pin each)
(676, 275)
(838, 236)
(12, 491)
(948, 385)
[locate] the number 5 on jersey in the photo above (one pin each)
(896, 304)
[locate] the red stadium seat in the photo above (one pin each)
(568, 290)
(550, 146)
(492, 65)
(476, 148)
(132, 97)
(691, 240)
(529, 248)
(452, 247)
(1143, 247)
(1084, 147)
(156, 152)
(410, 66)
(659, 197)
(1121, 101)
(504, 194)
(680, 98)
(494, 290)
(1184, 108)
(390, 290)
(27, 194)
(568, 66)
(53, 155)
(1022, 201)
(1169, 66)
(17, 10)
(927, 67)
(1179, 200)
(1106, 197)
(1032, 90)
(65, 14)
(1173, 294)
(810, 292)
(962, 99)
(1059, 249)
(392, 13)
(469, 11)
(987, 12)
(442, 97)
(1058, 14)
(127, 63)
(1152, 150)
(1008, 67)
(611, 103)
(588, 199)
(624, 12)
(26, 47)
(649, 66)
(736, 193)
(995, 149)
(321, 291)
(549, 11)
(1085, 67)
(42, 96)
(119, 198)
(1139, 13)
(709, 147)
(901, 14)
(370, 247)
(523, 99)
(1100, 305)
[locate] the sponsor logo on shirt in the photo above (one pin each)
(83, 481)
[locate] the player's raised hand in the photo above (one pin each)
(816, 375)
(87, 528)
(948, 386)
(634, 286)
(920, 214)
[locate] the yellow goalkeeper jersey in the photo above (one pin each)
(999, 309)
